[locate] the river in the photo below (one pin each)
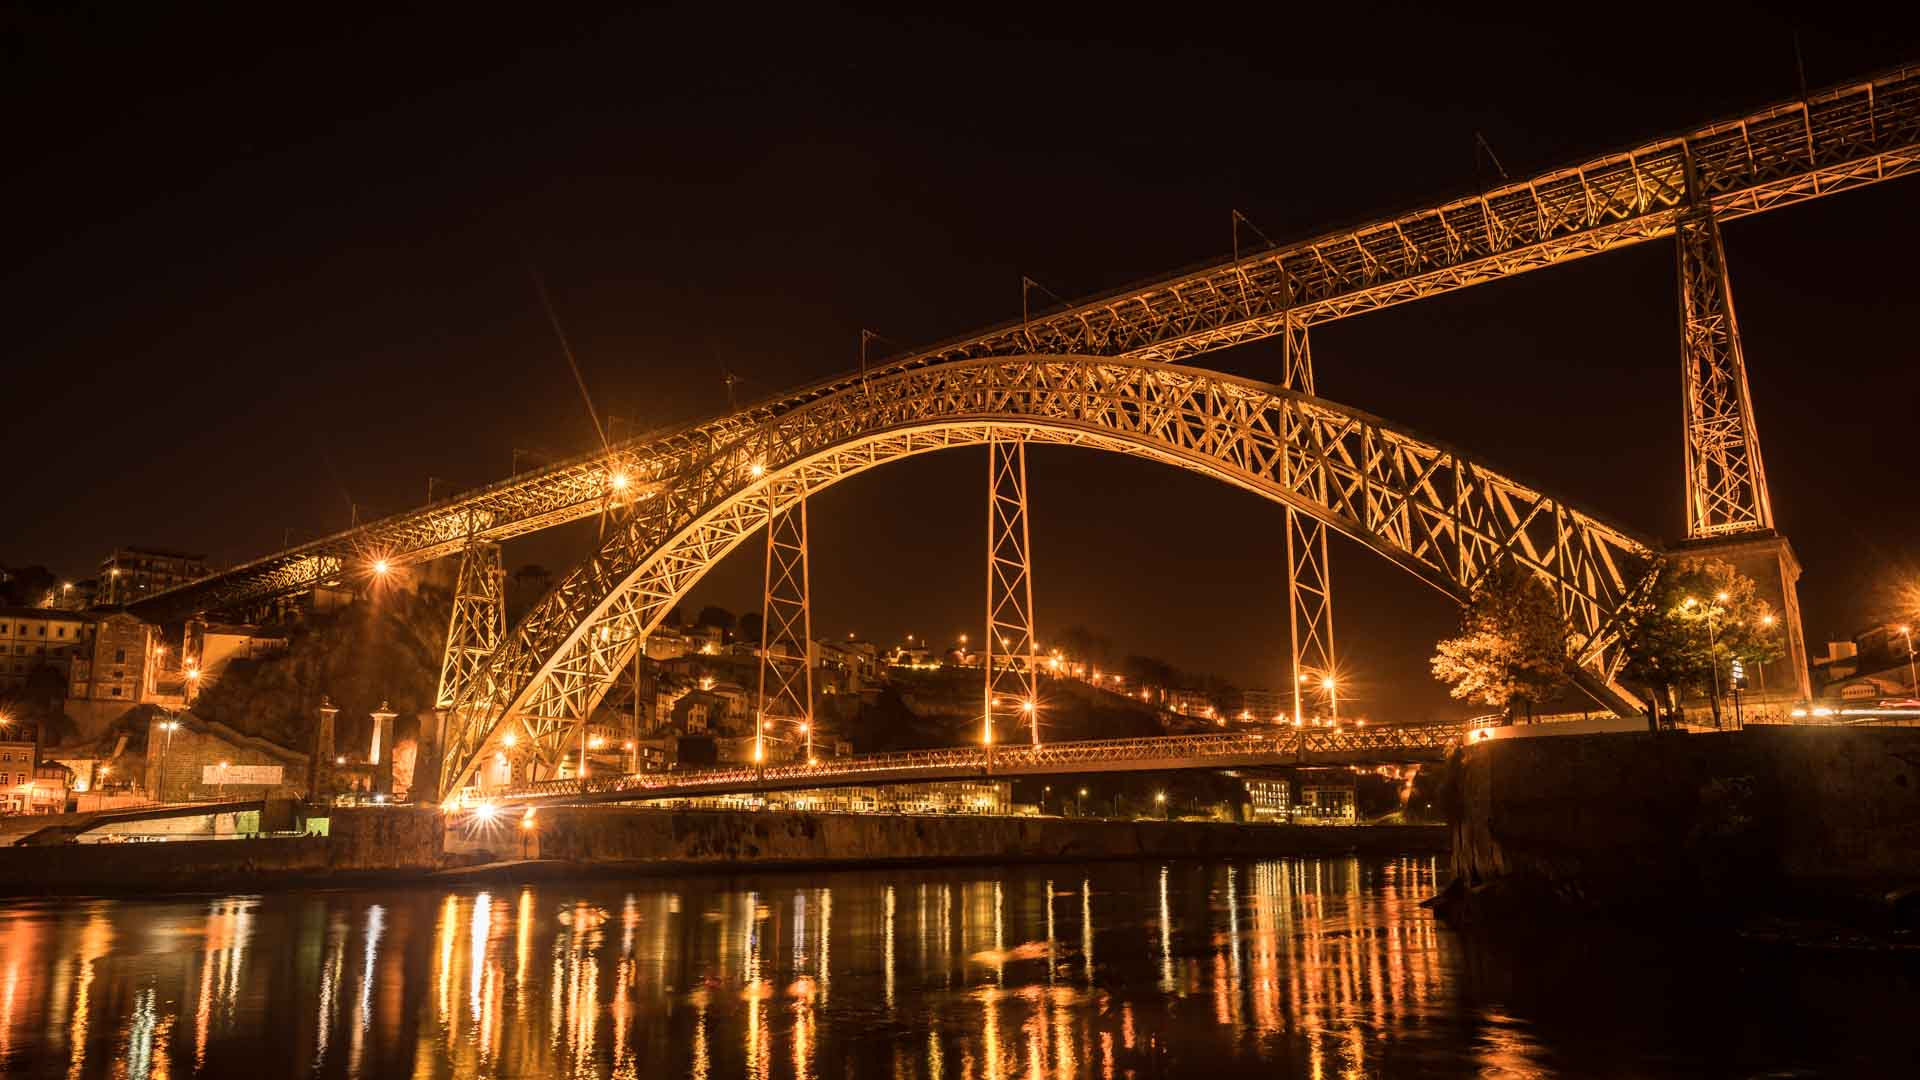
(1314, 967)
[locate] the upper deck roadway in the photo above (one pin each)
(1349, 745)
(1835, 140)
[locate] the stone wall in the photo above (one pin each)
(176, 764)
(589, 835)
(366, 844)
(1686, 823)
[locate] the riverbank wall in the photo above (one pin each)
(398, 844)
(594, 835)
(1685, 826)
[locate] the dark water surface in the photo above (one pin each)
(1315, 967)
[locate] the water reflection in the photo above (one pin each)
(1314, 967)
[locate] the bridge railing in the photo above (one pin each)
(1015, 758)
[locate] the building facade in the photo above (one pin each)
(1269, 799)
(118, 664)
(131, 574)
(1267, 706)
(32, 638)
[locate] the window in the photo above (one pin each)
(43, 629)
(116, 691)
(119, 656)
(60, 631)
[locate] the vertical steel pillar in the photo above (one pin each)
(1012, 668)
(1726, 481)
(475, 628)
(1309, 586)
(786, 626)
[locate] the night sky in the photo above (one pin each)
(259, 269)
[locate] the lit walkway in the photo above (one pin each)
(1279, 746)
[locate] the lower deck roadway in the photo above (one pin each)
(1382, 745)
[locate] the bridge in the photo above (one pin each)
(1284, 745)
(1114, 373)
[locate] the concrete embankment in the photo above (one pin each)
(1684, 827)
(403, 844)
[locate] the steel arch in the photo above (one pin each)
(1422, 505)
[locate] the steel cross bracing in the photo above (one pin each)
(477, 622)
(1835, 140)
(1286, 745)
(1012, 668)
(1428, 508)
(1309, 576)
(785, 700)
(1726, 480)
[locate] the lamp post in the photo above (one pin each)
(1913, 684)
(1081, 794)
(1160, 801)
(160, 771)
(1713, 660)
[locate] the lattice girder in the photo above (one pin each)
(1426, 507)
(1835, 140)
(477, 622)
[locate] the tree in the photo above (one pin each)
(1086, 646)
(1148, 671)
(749, 628)
(1512, 648)
(26, 586)
(1684, 634)
(718, 617)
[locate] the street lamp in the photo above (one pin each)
(1081, 794)
(159, 774)
(1160, 800)
(1713, 659)
(1913, 684)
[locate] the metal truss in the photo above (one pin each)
(1011, 657)
(1287, 746)
(1832, 141)
(786, 634)
(477, 623)
(1726, 480)
(1428, 508)
(1309, 576)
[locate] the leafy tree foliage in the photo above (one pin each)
(1512, 649)
(1086, 646)
(749, 628)
(26, 586)
(1700, 615)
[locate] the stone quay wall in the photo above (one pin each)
(1684, 824)
(602, 835)
(398, 844)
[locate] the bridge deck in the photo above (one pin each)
(1281, 746)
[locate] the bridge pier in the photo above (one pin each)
(1309, 583)
(1011, 662)
(786, 627)
(1729, 509)
(1768, 559)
